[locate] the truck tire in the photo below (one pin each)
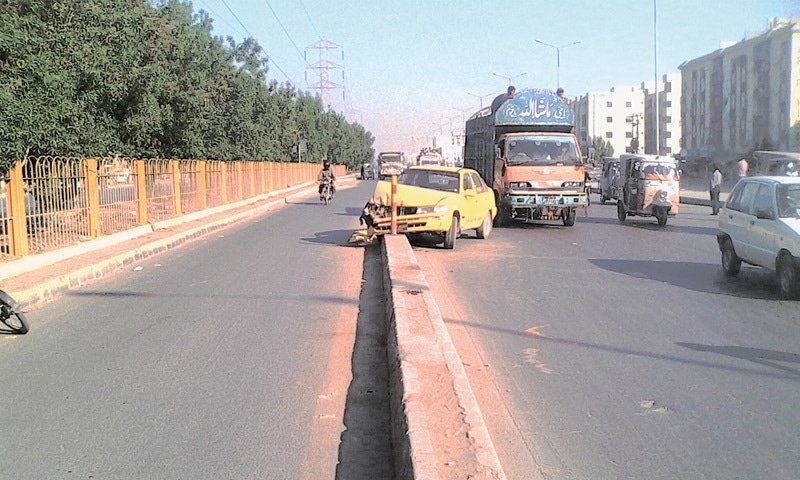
(568, 217)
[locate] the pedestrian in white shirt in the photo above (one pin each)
(714, 187)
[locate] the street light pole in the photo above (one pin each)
(479, 97)
(510, 79)
(558, 57)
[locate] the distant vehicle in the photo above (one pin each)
(528, 154)
(609, 174)
(369, 173)
(648, 186)
(431, 159)
(390, 163)
(760, 225)
(441, 200)
(769, 163)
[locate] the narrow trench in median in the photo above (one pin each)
(365, 450)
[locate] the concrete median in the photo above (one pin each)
(437, 427)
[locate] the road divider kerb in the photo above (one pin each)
(419, 348)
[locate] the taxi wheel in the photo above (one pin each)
(788, 276)
(450, 235)
(486, 227)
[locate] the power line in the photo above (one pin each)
(309, 19)
(269, 57)
(284, 29)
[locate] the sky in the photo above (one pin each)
(412, 69)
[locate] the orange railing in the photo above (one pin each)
(48, 203)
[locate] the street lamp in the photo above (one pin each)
(558, 57)
(463, 113)
(480, 97)
(510, 79)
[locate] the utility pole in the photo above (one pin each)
(324, 66)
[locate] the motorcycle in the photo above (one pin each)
(326, 192)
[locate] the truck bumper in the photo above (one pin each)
(545, 205)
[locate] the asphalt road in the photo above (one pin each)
(608, 351)
(227, 358)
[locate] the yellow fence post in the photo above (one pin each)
(239, 183)
(92, 188)
(17, 221)
(140, 189)
(224, 169)
(175, 171)
(202, 187)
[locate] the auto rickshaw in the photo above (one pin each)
(608, 178)
(648, 186)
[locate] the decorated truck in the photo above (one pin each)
(390, 163)
(527, 151)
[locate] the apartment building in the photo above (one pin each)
(744, 96)
(666, 96)
(617, 116)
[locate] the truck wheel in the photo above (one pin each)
(568, 217)
(451, 234)
(621, 212)
(486, 227)
(503, 218)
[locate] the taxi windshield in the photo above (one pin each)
(436, 180)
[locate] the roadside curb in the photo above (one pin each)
(428, 382)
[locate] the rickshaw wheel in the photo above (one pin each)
(661, 217)
(621, 212)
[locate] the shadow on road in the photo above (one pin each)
(756, 355)
(534, 334)
(753, 283)
(331, 237)
(365, 450)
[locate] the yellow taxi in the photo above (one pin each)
(434, 199)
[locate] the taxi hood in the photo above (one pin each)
(407, 195)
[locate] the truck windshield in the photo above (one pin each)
(542, 150)
(390, 159)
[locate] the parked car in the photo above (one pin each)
(440, 200)
(760, 225)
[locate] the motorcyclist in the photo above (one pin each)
(326, 174)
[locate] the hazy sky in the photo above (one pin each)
(411, 65)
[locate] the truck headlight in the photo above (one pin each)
(519, 185)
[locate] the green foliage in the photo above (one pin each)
(142, 79)
(602, 148)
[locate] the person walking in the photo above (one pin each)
(714, 187)
(742, 168)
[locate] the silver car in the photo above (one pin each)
(760, 225)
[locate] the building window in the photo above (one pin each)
(609, 134)
(628, 134)
(609, 104)
(668, 103)
(629, 104)
(609, 119)
(668, 119)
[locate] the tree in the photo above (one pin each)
(602, 148)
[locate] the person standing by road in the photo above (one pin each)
(741, 168)
(714, 187)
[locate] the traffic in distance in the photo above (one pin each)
(523, 164)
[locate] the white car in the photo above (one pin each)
(760, 225)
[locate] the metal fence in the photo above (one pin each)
(48, 203)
